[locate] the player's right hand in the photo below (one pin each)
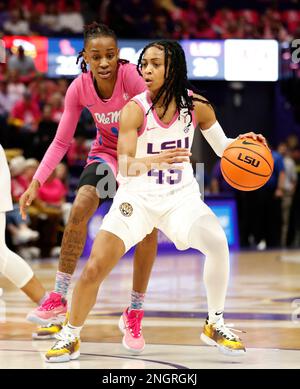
(27, 197)
(168, 158)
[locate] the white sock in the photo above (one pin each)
(73, 330)
(214, 316)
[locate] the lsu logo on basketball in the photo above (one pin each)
(249, 160)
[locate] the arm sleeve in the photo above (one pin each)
(63, 137)
(217, 139)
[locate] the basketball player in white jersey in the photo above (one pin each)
(158, 189)
(12, 266)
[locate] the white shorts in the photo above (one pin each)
(132, 216)
(5, 184)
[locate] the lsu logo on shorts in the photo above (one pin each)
(126, 209)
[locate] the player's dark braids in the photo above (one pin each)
(91, 31)
(176, 82)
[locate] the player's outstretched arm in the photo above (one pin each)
(57, 149)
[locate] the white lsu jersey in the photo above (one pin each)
(154, 137)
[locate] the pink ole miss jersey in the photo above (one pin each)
(106, 113)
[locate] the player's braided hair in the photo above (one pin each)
(95, 30)
(176, 83)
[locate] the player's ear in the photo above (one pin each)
(118, 53)
(85, 57)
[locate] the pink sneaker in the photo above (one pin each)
(130, 326)
(53, 310)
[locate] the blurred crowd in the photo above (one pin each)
(40, 234)
(31, 106)
(177, 19)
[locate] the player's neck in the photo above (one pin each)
(170, 112)
(105, 88)
(159, 103)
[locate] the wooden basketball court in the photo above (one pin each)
(263, 299)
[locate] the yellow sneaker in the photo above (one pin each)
(47, 332)
(50, 330)
(219, 335)
(65, 349)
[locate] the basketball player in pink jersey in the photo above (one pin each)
(103, 90)
(12, 266)
(158, 190)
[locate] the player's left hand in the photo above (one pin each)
(254, 136)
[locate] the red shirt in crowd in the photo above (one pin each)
(52, 192)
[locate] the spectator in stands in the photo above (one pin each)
(289, 188)
(6, 104)
(49, 210)
(78, 151)
(222, 19)
(6, 100)
(4, 15)
(24, 120)
(16, 24)
(292, 143)
(26, 113)
(50, 19)
(264, 207)
(162, 26)
(45, 133)
(42, 89)
(70, 21)
(15, 88)
(30, 167)
(181, 30)
(53, 192)
(293, 238)
(203, 30)
(23, 64)
(57, 107)
(18, 228)
(36, 27)
(136, 15)
(62, 86)
(62, 173)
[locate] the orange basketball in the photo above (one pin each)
(247, 164)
